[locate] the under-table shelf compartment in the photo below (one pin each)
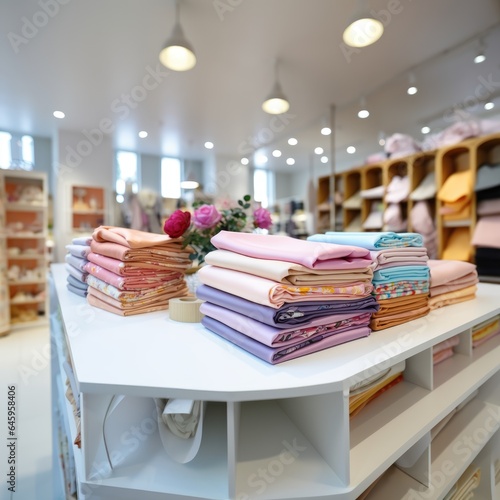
(140, 462)
(276, 459)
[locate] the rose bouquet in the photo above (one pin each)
(207, 221)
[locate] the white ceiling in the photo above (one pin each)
(92, 58)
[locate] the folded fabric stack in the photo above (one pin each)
(452, 281)
(397, 192)
(486, 236)
(444, 349)
(485, 331)
(401, 275)
(363, 392)
(134, 272)
(422, 222)
(76, 258)
(456, 197)
(280, 309)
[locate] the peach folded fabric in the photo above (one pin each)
(131, 238)
(285, 272)
(398, 318)
(273, 294)
(451, 275)
(153, 254)
(401, 304)
(96, 302)
(311, 254)
(449, 298)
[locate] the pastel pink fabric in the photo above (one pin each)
(450, 275)
(311, 254)
(489, 207)
(393, 257)
(131, 238)
(273, 294)
(487, 232)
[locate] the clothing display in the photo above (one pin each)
(137, 272)
(458, 245)
(422, 222)
(354, 202)
(393, 218)
(398, 189)
(374, 193)
(398, 145)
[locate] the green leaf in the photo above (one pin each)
(246, 197)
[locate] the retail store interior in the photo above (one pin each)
(96, 131)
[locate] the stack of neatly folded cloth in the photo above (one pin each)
(452, 281)
(401, 275)
(76, 258)
(134, 272)
(280, 298)
(368, 389)
(485, 331)
(444, 350)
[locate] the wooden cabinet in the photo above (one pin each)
(26, 221)
(452, 228)
(274, 431)
(324, 207)
(87, 208)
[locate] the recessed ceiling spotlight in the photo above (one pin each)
(276, 153)
(245, 161)
(59, 114)
(324, 159)
(143, 134)
(261, 159)
(425, 129)
(326, 130)
(363, 113)
(489, 105)
(292, 141)
(318, 150)
(209, 145)
(290, 161)
(351, 150)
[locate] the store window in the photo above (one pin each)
(127, 174)
(5, 150)
(263, 187)
(27, 151)
(171, 173)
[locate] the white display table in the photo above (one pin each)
(275, 432)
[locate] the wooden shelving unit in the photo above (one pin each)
(26, 221)
(87, 208)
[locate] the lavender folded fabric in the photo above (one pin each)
(76, 283)
(78, 250)
(370, 240)
(76, 290)
(299, 313)
(81, 240)
(76, 262)
(281, 354)
(276, 337)
(308, 253)
(76, 273)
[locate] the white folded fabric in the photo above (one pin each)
(426, 189)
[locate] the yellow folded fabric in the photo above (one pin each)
(458, 186)
(458, 245)
(453, 297)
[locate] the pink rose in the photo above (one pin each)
(206, 217)
(177, 223)
(262, 218)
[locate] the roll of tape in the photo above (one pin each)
(185, 309)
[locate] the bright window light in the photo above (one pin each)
(127, 171)
(171, 178)
(27, 149)
(5, 150)
(260, 186)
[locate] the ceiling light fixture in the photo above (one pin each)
(177, 53)
(363, 112)
(489, 105)
(290, 161)
(245, 161)
(142, 134)
(381, 139)
(59, 114)
(480, 56)
(292, 141)
(425, 129)
(209, 145)
(324, 159)
(364, 29)
(276, 153)
(276, 103)
(412, 88)
(326, 130)
(351, 150)
(318, 150)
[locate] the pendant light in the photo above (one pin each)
(177, 53)
(363, 29)
(276, 103)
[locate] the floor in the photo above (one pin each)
(25, 363)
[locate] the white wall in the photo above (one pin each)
(151, 172)
(228, 178)
(78, 162)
